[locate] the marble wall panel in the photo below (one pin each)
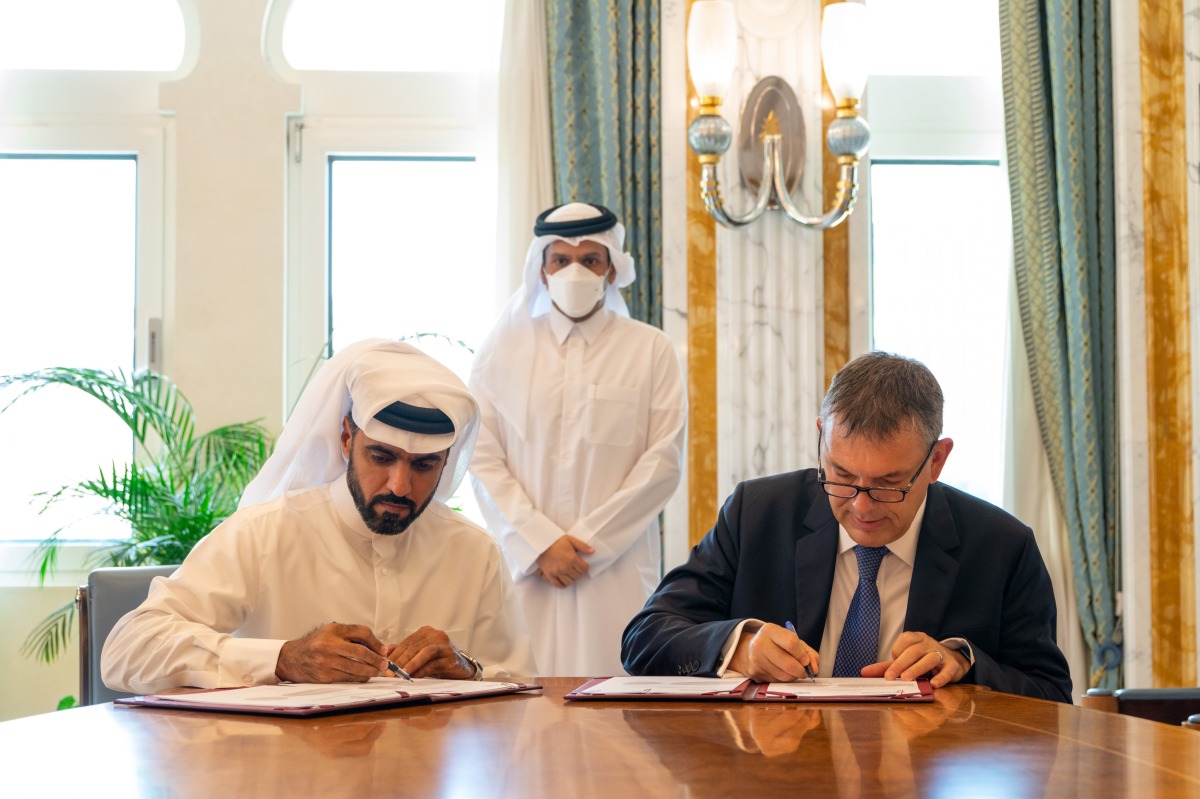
(770, 340)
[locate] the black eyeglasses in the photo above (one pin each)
(848, 491)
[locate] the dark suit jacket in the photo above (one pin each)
(978, 575)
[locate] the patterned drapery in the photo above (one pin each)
(604, 115)
(1058, 123)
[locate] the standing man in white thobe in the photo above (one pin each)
(581, 441)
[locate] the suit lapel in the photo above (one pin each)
(936, 569)
(816, 552)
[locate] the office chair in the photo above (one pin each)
(1168, 705)
(110, 593)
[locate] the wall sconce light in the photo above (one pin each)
(771, 111)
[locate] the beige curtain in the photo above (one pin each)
(526, 176)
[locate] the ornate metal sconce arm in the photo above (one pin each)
(710, 136)
(710, 190)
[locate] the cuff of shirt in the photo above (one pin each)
(528, 541)
(960, 645)
(540, 533)
(602, 558)
(750, 625)
(248, 661)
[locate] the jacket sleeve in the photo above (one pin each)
(1027, 660)
(686, 622)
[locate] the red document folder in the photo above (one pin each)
(593, 689)
(694, 689)
(802, 692)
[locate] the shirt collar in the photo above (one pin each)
(590, 328)
(904, 547)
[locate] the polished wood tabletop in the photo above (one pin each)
(969, 742)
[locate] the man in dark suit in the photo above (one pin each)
(960, 593)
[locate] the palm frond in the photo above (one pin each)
(47, 641)
(126, 397)
(174, 421)
(236, 451)
(45, 556)
(178, 487)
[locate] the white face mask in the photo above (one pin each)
(576, 289)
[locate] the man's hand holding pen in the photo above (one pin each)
(773, 654)
(333, 653)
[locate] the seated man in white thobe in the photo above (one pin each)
(581, 441)
(342, 554)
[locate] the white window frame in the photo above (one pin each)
(940, 119)
(313, 140)
(149, 141)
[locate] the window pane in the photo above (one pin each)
(67, 264)
(393, 35)
(940, 293)
(408, 259)
(139, 35)
(934, 37)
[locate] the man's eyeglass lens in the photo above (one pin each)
(878, 494)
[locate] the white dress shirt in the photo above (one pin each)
(893, 581)
(273, 572)
(601, 456)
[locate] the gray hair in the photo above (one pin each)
(880, 394)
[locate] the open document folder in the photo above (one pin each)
(823, 689)
(311, 699)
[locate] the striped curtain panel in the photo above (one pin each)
(1058, 124)
(604, 116)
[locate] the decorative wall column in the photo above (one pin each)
(1168, 342)
(770, 366)
(229, 176)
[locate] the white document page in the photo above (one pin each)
(845, 686)
(695, 686)
(300, 695)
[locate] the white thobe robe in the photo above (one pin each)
(601, 456)
(273, 572)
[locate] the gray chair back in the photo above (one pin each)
(110, 593)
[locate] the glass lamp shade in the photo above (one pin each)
(843, 31)
(711, 46)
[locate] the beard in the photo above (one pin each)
(382, 523)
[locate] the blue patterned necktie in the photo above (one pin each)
(860, 634)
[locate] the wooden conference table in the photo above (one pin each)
(970, 742)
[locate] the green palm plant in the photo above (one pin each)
(178, 487)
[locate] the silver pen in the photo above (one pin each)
(392, 667)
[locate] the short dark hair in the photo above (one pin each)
(880, 394)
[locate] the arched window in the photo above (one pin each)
(391, 35)
(127, 35)
(81, 235)
(392, 178)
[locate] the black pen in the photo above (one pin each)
(812, 675)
